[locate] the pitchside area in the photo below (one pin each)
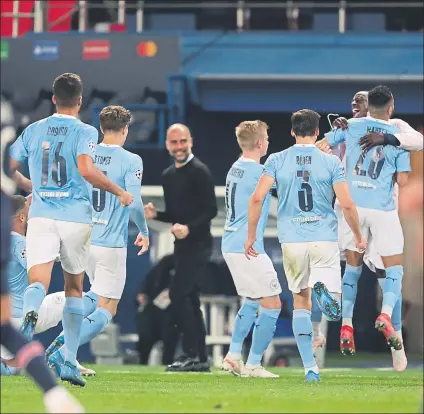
(124, 389)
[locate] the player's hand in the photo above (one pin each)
(142, 299)
(371, 140)
(150, 211)
(249, 250)
(126, 198)
(143, 242)
(341, 123)
(323, 146)
(360, 244)
(180, 231)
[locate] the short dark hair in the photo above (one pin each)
(18, 204)
(67, 89)
(379, 97)
(114, 118)
(305, 122)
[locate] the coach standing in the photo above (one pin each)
(190, 205)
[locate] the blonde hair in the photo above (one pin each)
(249, 133)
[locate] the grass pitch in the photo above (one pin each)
(136, 389)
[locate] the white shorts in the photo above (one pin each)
(255, 278)
(383, 226)
(49, 316)
(107, 270)
(47, 239)
(311, 262)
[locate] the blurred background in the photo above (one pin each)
(212, 65)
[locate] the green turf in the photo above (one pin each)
(146, 389)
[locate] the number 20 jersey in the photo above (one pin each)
(371, 175)
(52, 146)
(240, 184)
(305, 177)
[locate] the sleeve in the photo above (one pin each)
(409, 138)
(205, 189)
(403, 162)
(19, 253)
(270, 167)
(335, 137)
(133, 185)
(18, 150)
(87, 142)
(338, 174)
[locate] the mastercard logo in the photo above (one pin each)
(147, 49)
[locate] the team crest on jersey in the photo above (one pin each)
(22, 253)
(138, 174)
(274, 284)
(91, 145)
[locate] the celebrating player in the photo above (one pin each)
(106, 267)
(60, 151)
(28, 355)
(307, 226)
(371, 178)
(255, 279)
(51, 309)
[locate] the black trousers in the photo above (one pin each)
(190, 265)
(154, 324)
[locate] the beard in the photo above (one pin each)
(181, 157)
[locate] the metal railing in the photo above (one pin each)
(243, 9)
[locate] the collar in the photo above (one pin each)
(246, 159)
(378, 120)
(190, 157)
(13, 233)
(304, 145)
(64, 116)
(109, 145)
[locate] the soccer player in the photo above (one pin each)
(411, 140)
(28, 355)
(307, 226)
(371, 178)
(255, 278)
(51, 309)
(106, 266)
(60, 150)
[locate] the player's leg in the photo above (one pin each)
(268, 289)
(400, 361)
(296, 268)
(389, 240)
(30, 356)
(43, 246)
(319, 339)
(107, 271)
(246, 315)
(75, 241)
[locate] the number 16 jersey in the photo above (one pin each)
(305, 177)
(52, 146)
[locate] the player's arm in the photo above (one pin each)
(403, 168)
(331, 139)
(18, 154)
(205, 191)
(255, 206)
(407, 138)
(350, 212)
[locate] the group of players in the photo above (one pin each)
(82, 194)
(364, 226)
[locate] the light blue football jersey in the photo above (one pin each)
(52, 147)
(305, 177)
(371, 175)
(240, 184)
(17, 275)
(110, 219)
